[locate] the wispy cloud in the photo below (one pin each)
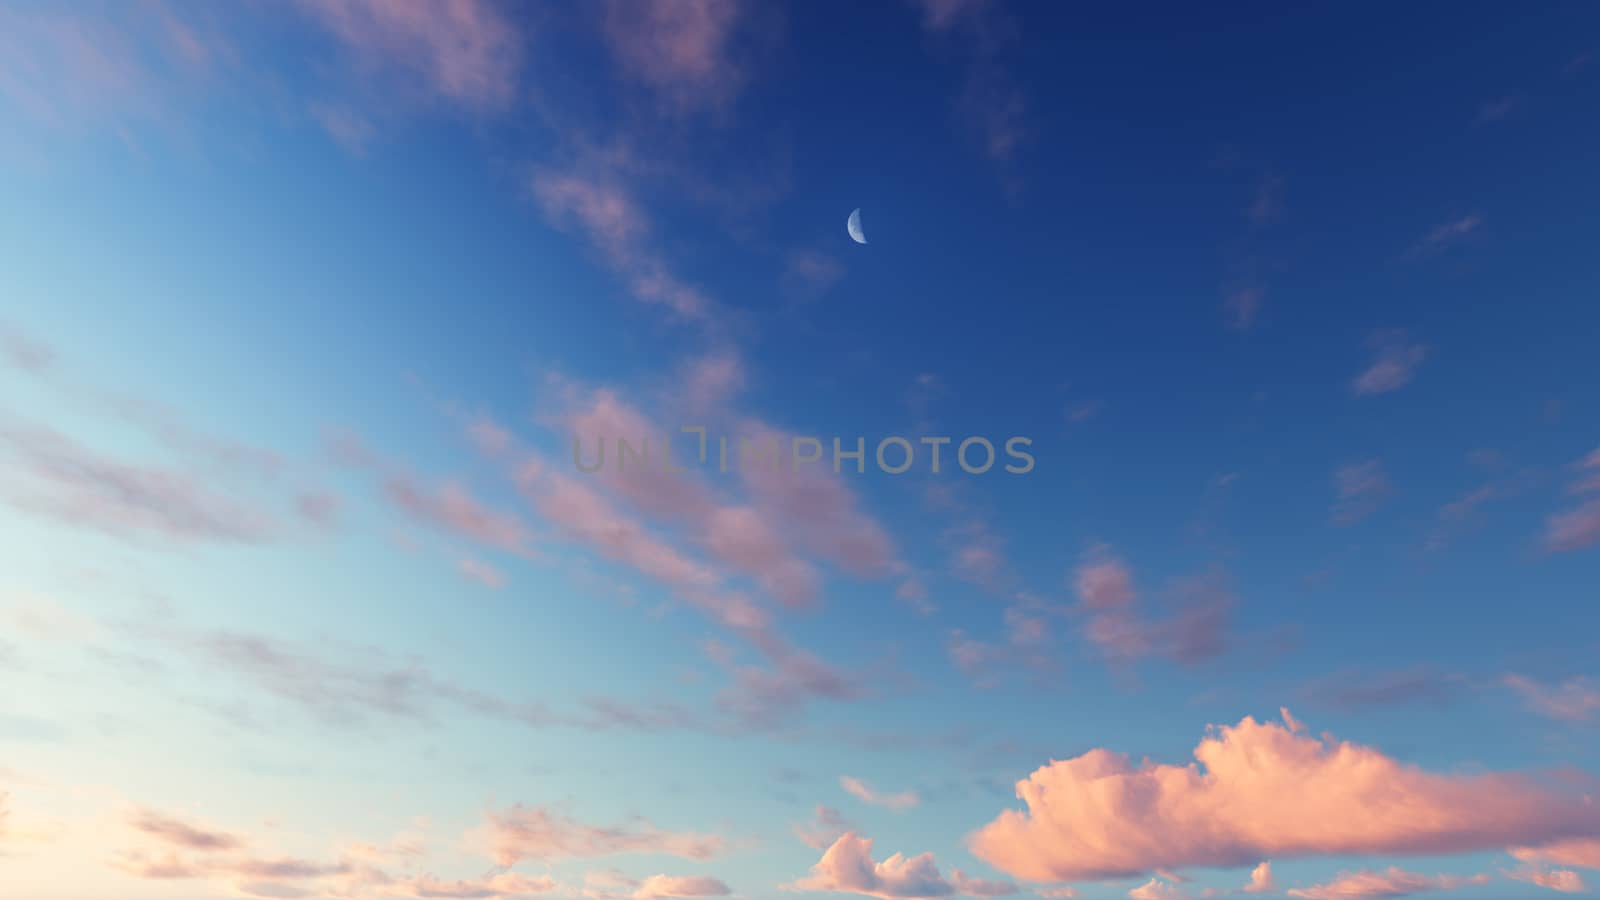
(1578, 527)
(684, 50)
(1446, 235)
(463, 51)
(1359, 489)
(864, 792)
(1574, 700)
(1564, 880)
(1391, 882)
(1114, 622)
(537, 833)
(1395, 360)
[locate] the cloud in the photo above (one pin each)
(1360, 489)
(980, 887)
(1581, 852)
(1057, 893)
(1114, 623)
(1564, 880)
(603, 211)
(181, 834)
(864, 792)
(1261, 880)
(55, 477)
(1495, 110)
(483, 573)
(680, 886)
(1267, 204)
(20, 351)
(524, 832)
(1391, 882)
(1156, 889)
(848, 868)
(1574, 529)
(1243, 306)
(1362, 689)
(1395, 361)
(463, 51)
(1575, 700)
(682, 49)
(1260, 790)
(991, 101)
(451, 508)
(1447, 234)
(825, 827)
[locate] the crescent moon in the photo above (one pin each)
(853, 225)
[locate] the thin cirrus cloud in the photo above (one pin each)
(1574, 700)
(50, 475)
(1395, 360)
(1579, 527)
(464, 51)
(537, 833)
(1583, 852)
(864, 792)
(1360, 488)
(684, 50)
(1391, 882)
(1262, 789)
(1564, 880)
(825, 827)
(1447, 234)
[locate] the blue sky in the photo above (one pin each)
(303, 305)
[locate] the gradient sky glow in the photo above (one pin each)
(302, 304)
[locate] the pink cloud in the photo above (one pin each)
(848, 868)
(681, 48)
(462, 50)
(862, 791)
(825, 827)
(1575, 700)
(536, 833)
(1391, 882)
(451, 508)
(318, 507)
(1156, 889)
(680, 886)
(23, 352)
(1114, 623)
(1396, 359)
(1257, 790)
(1564, 880)
(483, 573)
(1261, 880)
(1581, 852)
(1574, 529)
(980, 887)
(53, 476)
(605, 213)
(172, 831)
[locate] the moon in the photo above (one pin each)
(853, 225)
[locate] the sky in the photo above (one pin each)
(324, 573)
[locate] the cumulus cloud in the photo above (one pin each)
(848, 868)
(1391, 882)
(1156, 889)
(1261, 789)
(1261, 881)
(865, 793)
